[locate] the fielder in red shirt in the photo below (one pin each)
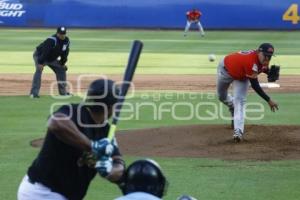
(239, 69)
(193, 17)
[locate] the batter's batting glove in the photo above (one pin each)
(104, 166)
(102, 147)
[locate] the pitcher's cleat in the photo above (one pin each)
(237, 135)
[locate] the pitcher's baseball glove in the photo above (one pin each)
(273, 74)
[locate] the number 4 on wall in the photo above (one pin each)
(291, 14)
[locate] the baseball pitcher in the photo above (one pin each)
(239, 69)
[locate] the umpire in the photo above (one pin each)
(47, 53)
(76, 149)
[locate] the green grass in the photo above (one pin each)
(203, 178)
(150, 110)
(170, 109)
(165, 52)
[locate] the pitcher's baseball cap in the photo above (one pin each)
(61, 30)
(267, 49)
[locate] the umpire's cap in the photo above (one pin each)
(267, 49)
(144, 176)
(103, 91)
(61, 30)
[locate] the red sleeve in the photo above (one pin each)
(250, 66)
(248, 70)
(250, 63)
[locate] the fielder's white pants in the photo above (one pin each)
(238, 101)
(189, 23)
(36, 191)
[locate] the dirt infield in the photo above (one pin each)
(19, 84)
(261, 142)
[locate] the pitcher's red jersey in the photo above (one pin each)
(243, 63)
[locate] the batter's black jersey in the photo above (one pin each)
(52, 48)
(57, 166)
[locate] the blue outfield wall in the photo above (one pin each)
(217, 14)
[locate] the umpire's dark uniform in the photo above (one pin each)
(61, 167)
(47, 53)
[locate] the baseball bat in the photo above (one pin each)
(134, 55)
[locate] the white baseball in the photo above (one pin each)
(211, 57)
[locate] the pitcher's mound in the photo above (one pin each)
(211, 141)
(214, 141)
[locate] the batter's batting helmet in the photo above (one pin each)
(102, 91)
(144, 176)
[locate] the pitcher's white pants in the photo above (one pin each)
(238, 101)
(36, 191)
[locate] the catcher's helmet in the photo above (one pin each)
(102, 91)
(144, 176)
(186, 197)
